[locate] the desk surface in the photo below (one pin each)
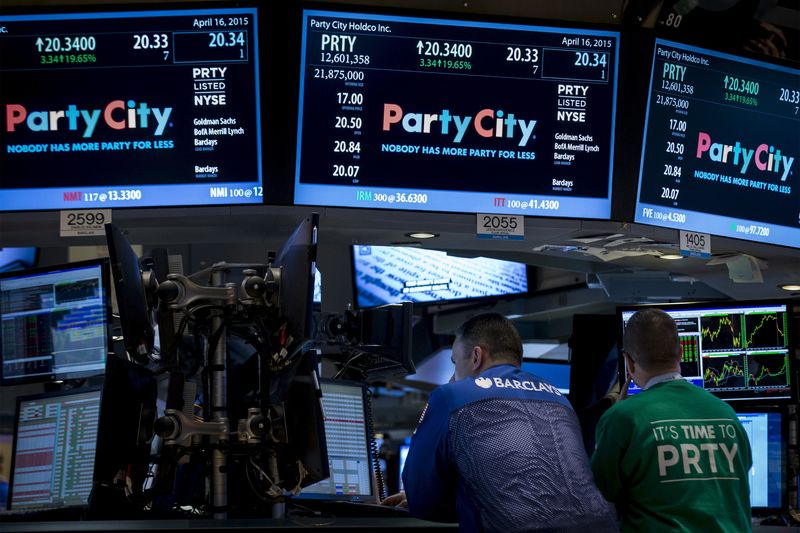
(295, 524)
(197, 526)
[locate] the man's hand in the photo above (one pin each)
(396, 500)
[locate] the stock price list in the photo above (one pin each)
(721, 142)
(456, 116)
(139, 41)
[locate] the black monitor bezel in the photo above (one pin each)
(105, 273)
(287, 259)
(529, 273)
(264, 16)
(36, 253)
(751, 407)
(373, 497)
(340, 7)
(131, 296)
(550, 361)
(34, 397)
(792, 341)
(117, 446)
(632, 197)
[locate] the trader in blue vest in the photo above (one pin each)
(500, 449)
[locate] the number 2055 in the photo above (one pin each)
(499, 222)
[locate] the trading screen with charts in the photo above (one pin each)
(348, 445)
(54, 451)
(767, 476)
(735, 352)
(54, 323)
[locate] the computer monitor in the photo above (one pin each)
(349, 443)
(297, 261)
(735, 350)
(124, 437)
(157, 105)
(54, 449)
(137, 327)
(393, 274)
(555, 372)
(765, 431)
(17, 258)
(718, 156)
(55, 322)
(536, 109)
(317, 287)
(403, 456)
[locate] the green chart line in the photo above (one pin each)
(764, 372)
(728, 369)
(764, 320)
(726, 321)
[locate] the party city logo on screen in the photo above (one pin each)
(486, 123)
(117, 115)
(764, 157)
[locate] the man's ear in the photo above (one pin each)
(630, 363)
(478, 357)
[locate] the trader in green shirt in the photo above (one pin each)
(674, 457)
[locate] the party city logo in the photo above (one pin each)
(486, 123)
(117, 114)
(766, 158)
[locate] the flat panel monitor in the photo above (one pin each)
(137, 328)
(403, 456)
(55, 322)
(349, 444)
(554, 372)
(297, 259)
(17, 258)
(721, 146)
(737, 351)
(317, 299)
(393, 274)
(124, 437)
(765, 431)
(155, 107)
(54, 450)
(401, 112)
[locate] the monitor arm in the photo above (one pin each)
(175, 426)
(179, 293)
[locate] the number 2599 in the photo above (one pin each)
(82, 219)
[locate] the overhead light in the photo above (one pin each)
(670, 257)
(422, 235)
(792, 287)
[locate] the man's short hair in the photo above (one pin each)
(495, 334)
(651, 337)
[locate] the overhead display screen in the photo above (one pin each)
(444, 115)
(722, 137)
(393, 274)
(124, 109)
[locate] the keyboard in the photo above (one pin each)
(347, 509)
(42, 515)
